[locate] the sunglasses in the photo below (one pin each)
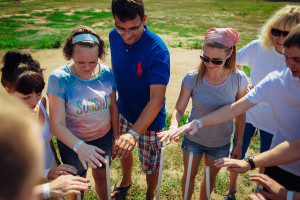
(215, 62)
(277, 33)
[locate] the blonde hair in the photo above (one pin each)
(20, 147)
(284, 19)
(229, 63)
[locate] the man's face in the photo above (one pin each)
(131, 30)
(292, 60)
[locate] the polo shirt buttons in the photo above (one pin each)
(126, 50)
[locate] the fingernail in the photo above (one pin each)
(249, 178)
(89, 187)
(87, 180)
(257, 190)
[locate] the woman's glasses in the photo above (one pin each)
(215, 62)
(277, 33)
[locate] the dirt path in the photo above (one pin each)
(182, 61)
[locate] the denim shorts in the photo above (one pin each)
(198, 150)
(70, 157)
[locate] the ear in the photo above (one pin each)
(9, 91)
(230, 53)
(144, 19)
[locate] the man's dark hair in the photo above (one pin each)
(127, 9)
(293, 38)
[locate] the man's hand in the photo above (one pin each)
(124, 145)
(238, 166)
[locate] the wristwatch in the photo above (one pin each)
(249, 159)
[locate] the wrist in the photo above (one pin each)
(250, 161)
(173, 127)
(135, 135)
(45, 174)
(78, 145)
(198, 122)
(290, 195)
(46, 190)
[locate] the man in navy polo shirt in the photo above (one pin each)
(141, 65)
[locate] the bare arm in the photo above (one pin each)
(127, 141)
(177, 113)
(222, 115)
(240, 121)
(283, 153)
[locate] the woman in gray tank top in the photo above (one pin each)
(214, 84)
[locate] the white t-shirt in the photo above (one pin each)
(262, 62)
(282, 91)
(47, 136)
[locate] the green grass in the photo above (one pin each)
(172, 174)
(184, 22)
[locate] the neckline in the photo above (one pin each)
(220, 85)
(70, 71)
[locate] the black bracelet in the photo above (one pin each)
(249, 159)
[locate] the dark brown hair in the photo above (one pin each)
(293, 38)
(69, 47)
(21, 73)
(127, 9)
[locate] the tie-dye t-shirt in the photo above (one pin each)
(87, 102)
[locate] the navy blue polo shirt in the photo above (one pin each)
(136, 68)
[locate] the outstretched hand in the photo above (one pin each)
(233, 165)
(165, 135)
(62, 169)
(68, 185)
(175, 133)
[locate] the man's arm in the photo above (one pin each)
(283, 153)
(126, 142)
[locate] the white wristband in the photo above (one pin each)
(173, 126)
(46, 189)
(78, 145)
(134, 134)
(290, 195)
(46, 172)
(199, 122)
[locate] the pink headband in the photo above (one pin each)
(226, 36)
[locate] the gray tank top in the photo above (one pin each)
(207, 98)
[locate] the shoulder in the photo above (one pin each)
(252, 45)
(60, 72)
(277, 74)
(240, 74)
(155, 41)
(191, 76)
(113, 33)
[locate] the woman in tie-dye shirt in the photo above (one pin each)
(83, 109)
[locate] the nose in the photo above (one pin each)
(281, 38)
